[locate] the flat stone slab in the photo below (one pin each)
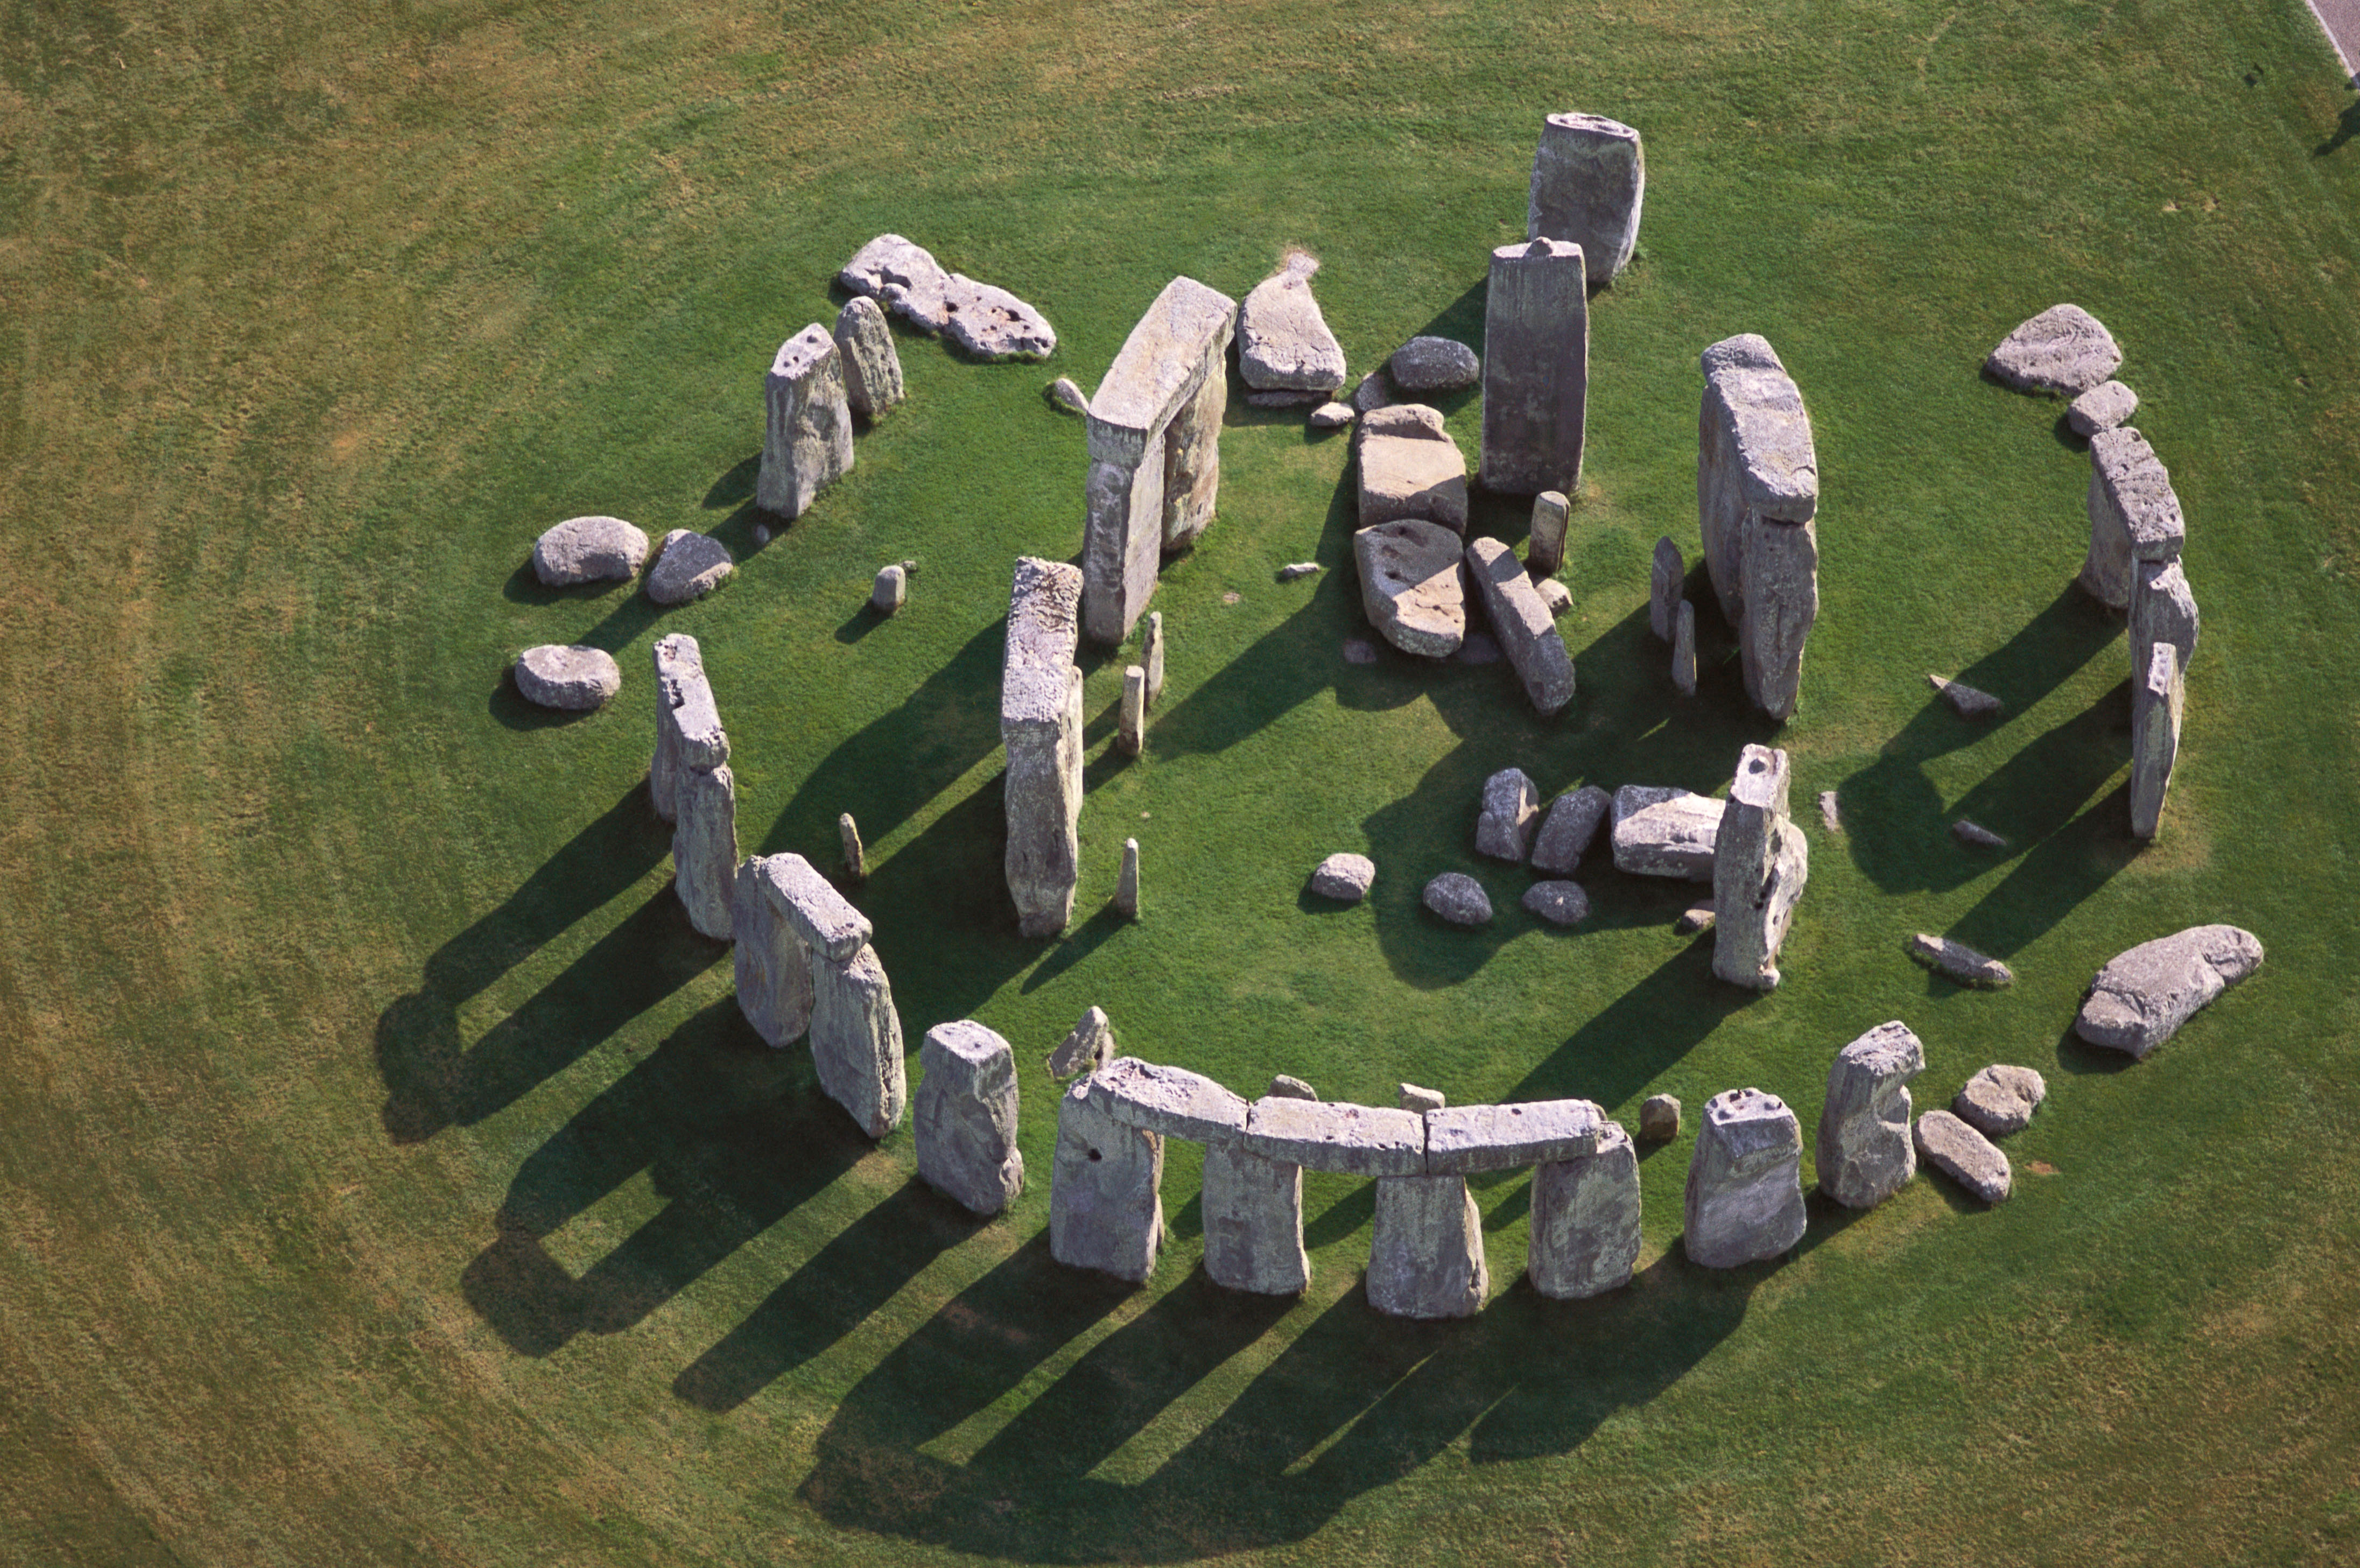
(1965, 1155)
(821, 917)
(1560, 903)
(1283, 343)
(2000, 1100)
(1330, 1134)
(567, 676)
(1964, 700)
(1411, 588)
(2141, 996)
(985, 321)
(1463, 1139)
(1170, 1100)
(992, 323)
(1661, 831)
(1457, 898)
(2102, 408)
(1957, 961)
(689, 565)
(2064, 349)
(1345, 876)
(589, 549)
(1433, 365)
(1570, 829)
(1409, 467)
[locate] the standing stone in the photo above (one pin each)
(1760, 865)
(1041, 724)
(856, 1039)
(891, 589)
(704, 847)
(1744, 1199)
(1411, 587)
(855, 858)
(808, 445)
(2063, 349)
(1571, 826)
(2141, 996)
(1589, 181)
(965, 1120)
(772, 965)
(1545, 549)
(1865, 1153)
(2163, 610)
(1105, 1200)
(1425, 1253)
(1126, 887)
(1410, 468)
(1283, 343)
(2158, 703)
(1504, 830)
(1526, 631)
(1086, 1048)
(1253, 1209)
(872, 365)
(1666, 582)
(2133, 514)
(1659, 1118)
(1757, 493)
(1150, 658)
(1130, 733)
(1536, 369)
(1684, 674)
(2102, 408)
(1585, 1221)
(1965, 1155)
(1154, 444)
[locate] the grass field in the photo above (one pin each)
(386, 1174)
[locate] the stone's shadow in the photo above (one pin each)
(1356, 1210)
(512, 710)
(2053, 877)
(524, 586)
(2068, 438)
(860, 622)
(1647, 1029)
(735, 487)
(2347, 125)
(2079, 1057)
(1076, 945)
(632, 615)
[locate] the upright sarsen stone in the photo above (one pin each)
(1585, 1223)
(1426, 1250)
(1105, 1200)
(1589, 181)
(1864, 1151)
(2163, 609)
(688, 726)
(1536, 369)
(1757, 493)
(1253, 1222)
(2158, 704)
(704, 847)
(872, 365)
(773, 967)
(2135, 516)
(856, 1039)
(1744, 1199)
(1759, 868)
(808, 441)
(1041, 724)
(964, 1119)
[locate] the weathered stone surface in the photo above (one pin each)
(1041, 724)
(1106, 1198)
(1512, 808)
(773, 967)
(964, 1119)
(992, 323)
(1150, 656)
(1295, 570)
(1965, 1155)
(807, 443)
(1976, 834)
(1410, 586)
(1345, 876)
(1684, 665)
(1192, 460)
(904, 276)
(1410, 468)
(1333, 416)
(1088, 1047)
(589, 549)
(1585, 1220)
(1536, 369)
(688, 566)
(2163, 610)
(1744, 1199)
(1126, 884)
(1555, 596)
(1590, 182)
(2158, 703)
(2000, 1100)
(892, 586)
(1328, 1135)
(688, 726)
(1695, 918)
(855, 855)
(2133, 514)
(1426, 1249)
(1253, 1210)
(1967, 702)
(1420, 1099)
(1370, 393)
(1458, 899)
(821, 918)
(1760, 865)
(1831, 813)
(1659, 1118)
(2063, 349)
(704, 847)
(1130, 724)
(1560, 903)
(1433, 364)
(567, 676)
(1063, 394)
(856, 1040)
(1865, 1153)
(2141, 996)
(1957, 961)
(1526, 631)
(1478, 648)
(1663, 832)
(872, 365)
(2101, 408)
(1283, 343)
(1545, 543)
(1283, 1087)
(1170, 1100)
(1666, 582)
(1462, 1140)
(1757, 492)
(1570, 829)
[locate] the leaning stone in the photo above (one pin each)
(1252, 1211)
(1570, 829)
(2163, 610)
(688, 566)
(1418, 1098)
(821, 917)
(856, 1040)
(1585, 1220)
(855, 857)
(1665, 833)
(1965, 1155)
(2063, 349)
(1976, 834)
(1865, 1153)
(1041, 724)
(1130, 729)
(807, 444)
(1171, 1100)
(903, 276)
(2158, 706)
(2000, 1100)
(1560, 903)
(589, 549)
(1459, 898)
(1526, 631)
(1536, 369)
(1126, 886)
(1744, 1199)
(2133, 514)
(1433, 365)
(1426, 1249)
(1283, 1087)
(1555, 594)
(1410, 586)
(1545, 545)
(1761, 864)
(992, 323)
(2101, 408)
(1666, 582)
(688, 726)
(964, 1119)
(1063, 394)
(1968, 703)
(1283, 343)
(1504, 830)
(1757, 492)
(1106, 1199)
(1464, 1140)
(1087, 1048)
(772, 965)
(1370, 394)
(872, 365)
(1345, 876)
(1410, 468)
(1589, 181)
(570, 677)
(1955, 961)
(1693, 920)
(704, 847)
(1659, 1118)
(1684, 665)
(2141, 996)
(1329, 1135)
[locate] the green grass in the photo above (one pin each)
(385, 1172)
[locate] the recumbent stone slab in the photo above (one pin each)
(965, 1119)
(1526, 631)
(567, 676)
(2063, 349)
(1570, 829)
(1957, 961)
(1965, 1155)
(1745, 1197)
(1409, 467)
(2000, 1099)
(1661, 831)
(589, 549)
(1864, 1151)
(1964, 700)
(1411, 587)
(2142, 997)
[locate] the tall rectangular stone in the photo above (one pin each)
(2159, 702)
(1041, 724)
(1253, 1222)
(1865, 1154)
(1426, 1249)
(964, 1119)
(1585, 1220)
(704, 847)
(807, 442)
(856, 1039)
(2163, 609)
(2133, 516)
(688, 726)
(1536, 369)
(1757, 494)
(1760, 865)
(1744, 1199)
(1106, 1189)
(772, 965)
(1590, 183)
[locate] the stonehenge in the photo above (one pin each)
(807, 440)
(704, 846)
(1865, 1153)
(568, 677)
(688, 726)
(872, 365)
(2064, 349)
(1585, 1220)
(1527, 633)
(1156, 451)
(1760, 865)
(1040, 726)
(2135, 516)
(1504, 830)
(589, 549)
(1590, 183)
(1757, 493)
(1744, 1198)
(1536, 369)
(2141, 996)
(1411, 586)
(964, 1119)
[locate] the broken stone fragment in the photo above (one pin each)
(1409, 467)
(1585, 1220)
(1965, 700)
(2163, 610)
(1955, 961)
(1527, 633)
(1426, 1249)
(2141, 996)
(567, 676)
(1590, 184)
(964, 1119)
(589, 549)
(1041, 724)
(772, 965)
(2063, 349)
(1976, 834)
(1088, 1047)
(2000, 1100)
(807, 442)
(1170, 1100)
(688, 566)
(1570, 829)
(2135, 516)
(1345, 876)
(1106, 1181)
(1411, 588)
(1126, 887)
(1064, 395)
(872, 365)
(1294, 570)
(904, 276)
(1465, 1140)
(1283, 1087)
(1433, 365)
(1418, 1098)
(1664, 832)
(1555, 596)
(1370, 393)
(1504, 829)
(1745, 1197)
(1283, 343)
(1659, 1118)
(856, 1040)
(990, 324)
(1761, 864)
(688, 726)
(1865, 1153)
(1545, 544)
(1560, 903)
(1536, 369)
(892, 586)
(1458, 899)
(1328, 1135)
(2101, 408)
(1965, 1155)
(1665, 580)
(704, 847)
(1252, 1211)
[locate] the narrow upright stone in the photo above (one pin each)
(1585, 1220)
(2159, 702)
(1757, 493)
(1041, 724)
(2133, 514)
(1667, 584)
(1544, 551)
(1150, 658)
(891, 588)
(1126, 888)
(1425, 1253)
(1590, 182)
(772, 965)
(964, 1119)
(1536, 369)
(1252, 1211)
(1865, 1153)
(1744, 1199)
(1131, 733)
(1527, 633)
(808, 445)
(1504, 830)
(1106, 1189)
(1759, 868)
(872, 365)
(856, 1039)
(1684, 674)
(2163, 609)
(704, 847)
(855, 857)
(688, 726)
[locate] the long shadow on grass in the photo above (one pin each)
(1646, 1029)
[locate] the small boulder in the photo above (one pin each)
(1333, 416)
(1830, 811)
(1294, 569)
(1433, 365)
(1555, 596)
(2063, 349)
(1965, 1155)
(1412, 1097)
(1088, 1047)
(1696, 918)
(1283, 1087)
(589, 549)
(567, 676)
(1411, 468)
(1560, 903)
(1063, 394)
(1570, 829)
(891, 588)
(1459, 898)
(1659, 1118)
(2000, 1100)
(1969, 702)
(2140, 999)
(1976, 834)
(2102, 408)
(1510, 806)
(688, 566)
(1955, 961)
(1345, 876)
(1411, 586)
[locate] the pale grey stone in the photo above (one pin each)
(855, 857)
(1590, 183)
(1570, 829)
(1192, 462)
(1965, 1155)
(1150, 656)
(1411, 588)
(1464, 1140)
(1957, 961)
(1170, 1100)
(2158, 705)
(1130, 724)
(1693, 920)
(704, 847)
(1527, 633)
(1661, 831)
(992, 323)
(2133, 514)
(1511, 809)
(1041, 724)
(1088, 1047)
(904, 276)
(2000, 1099)
(2063, 349)
(1666, 582)
(1409, 467)
(807, 443)
(2101, 408)
(1684, 665)
(1333, 416)
(1126, 886)
(2141, 996)
(1864, 1151)
(964, 1119)
(872, 365)
(1555, 596)
(822, 919)
(1967, 702)
(589, 549)
(567, 676)
(1064, 395)
(1345, 876)
(1106, 1199)
(856, 1039)
(1744, 1198)
(1545, 543)
(1585, 1220)
(1297, 569)
(1426, 1249)
(1560, 903)
(1659, 1118)
(688, 726)
(1830, 812)
(1327, 1135)
(1418, 1098)
(1458, 899)
(1433, 364)
(1757, 492)
(1252, 1211)
(1370, 393)
(688, 566)
(1283, 1087)
(772, 965)
(2163, 610)
(1283, 343)
(1536, 369)
(891, 588)
(1761, 864)
(1976, 834)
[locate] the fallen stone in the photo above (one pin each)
(1252, 1211)
(1570, 829)
(1410, 468)
(569, 677)
(1761, 864)
(1063, 394)
(1555, 596)
(872, 365)
(1294, 569)
(1171, 1100)
(772, 965)
(1666, 582)
(1126, 886)
(1757, 492)
(1590, 182)
(1659, 1118)
(1150, 656)
(1684, 665)
(1965, 1155)
(1041, 724)
(1560, 903)
(1106, 1181)
(1458, 899)
(589, 549)
(2141, 996)
(1088, 1047)
(904, 276)
(807, 440)
(1370, 394)
(1130, 728)
(1955, 961)
(891, 588)
(1663, 832)
(1417, 1098)
(1433, 364)
(2063, 349)
(1976, 834)
(821, 918)
(1504, 829)
(1830, 812)
(1526, 631)
(992, 323)
(855, 857)
(1585, 1220)
(2000, 1100)
(1464, 1140)
(1328, 1135)
(2101, 408)
(1345, 876)
(1410, 586)
(1333, 416)
(688, 726)
(704, 847)
(1536, 369)
(688, 566)
(2135, 515)
(1696, 918)
(1965, 700)
(1283, 1087)
(1744, 1198)
(1426, 1249)
(1283, 343)
(1865, 1153)
(965, 1120)
(2158, 705)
